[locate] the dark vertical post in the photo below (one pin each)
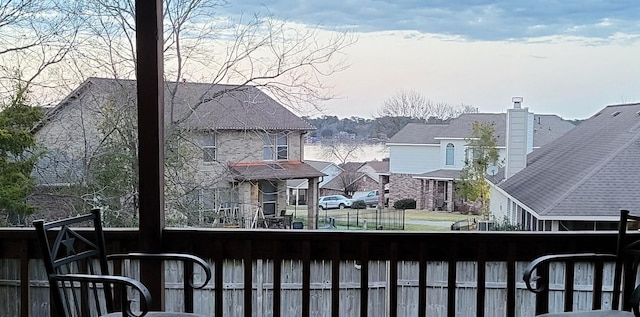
(364, 278)
(248, 282)
(24, 279)
(335, 279)
(393, 280)
(306, 278)
(149, 63)
(482, 266)
(217, 282)
(277, 278)
(451, 279)
(511, 279)
(422, 280)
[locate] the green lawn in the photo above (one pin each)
(437, 215)
(418, 215)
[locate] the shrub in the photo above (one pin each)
(358, 204)
(505, 225)
(406, 203)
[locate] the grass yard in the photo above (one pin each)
(437, 215)
(415, 220)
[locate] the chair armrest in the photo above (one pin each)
(112, 279)
(168, 256)
(546, 259)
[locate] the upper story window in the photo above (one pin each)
(473, 154)
(450, 153)
(276, 146)
(209, 147)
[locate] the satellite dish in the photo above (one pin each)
(492, 170)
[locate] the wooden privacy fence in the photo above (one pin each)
(311, 273)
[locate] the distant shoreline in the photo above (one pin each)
(368, 152)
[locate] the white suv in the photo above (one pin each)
(334, 201)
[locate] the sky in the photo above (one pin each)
(569, 58)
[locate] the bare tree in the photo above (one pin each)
(285, 60)
(344, 152)
(340, 151)
(410, 106)
(34, 37)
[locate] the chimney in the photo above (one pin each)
(519, 139)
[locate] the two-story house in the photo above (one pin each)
(425, 160)
(227, 148)
(581, 180)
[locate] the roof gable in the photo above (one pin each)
(546, 128)
(200, 105)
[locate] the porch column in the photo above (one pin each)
(380, 193)
(449, 196)
(429, 195)
(150, 90)
(312, 203)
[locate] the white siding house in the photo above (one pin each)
(426, 159)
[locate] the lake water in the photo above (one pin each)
(366, 152)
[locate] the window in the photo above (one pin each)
(283, 148)
(474, 154)
(450, 152)
(209, 148)
(276, 146)
(208, 199)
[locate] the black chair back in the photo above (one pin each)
(68, 249)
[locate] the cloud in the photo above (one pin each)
(469, 19)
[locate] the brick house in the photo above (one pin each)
(228, 148)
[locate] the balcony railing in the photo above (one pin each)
(305, 273)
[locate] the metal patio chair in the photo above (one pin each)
(78, 271)
(625, 295)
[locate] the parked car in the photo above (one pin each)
(334, 201)
(371, 199)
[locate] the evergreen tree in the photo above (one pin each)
(18, 155)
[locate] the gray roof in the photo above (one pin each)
(202, 105)
(379, 166)
(546, 128)
(440, 174)
(282, 170)
(319, 165)
(591, 171)
(418, 133)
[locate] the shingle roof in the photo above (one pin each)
(274, 170)
(351, 166)
(337, 183)
(203, 105)
(591, 171)
(319, 165)
(379, 166)
(460, 127)
(546, 128)
(418, 133)
(440, 174)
